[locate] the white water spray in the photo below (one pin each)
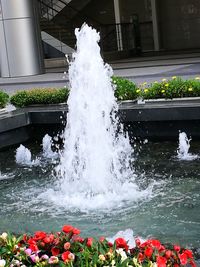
(23, 156)
(95, 168)
(47, 150)
(184, 146)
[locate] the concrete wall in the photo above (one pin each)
(179, 23)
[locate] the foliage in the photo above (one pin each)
(39, 96)
(124, 89)
(3, 99)
(169, 89)
(67, 248)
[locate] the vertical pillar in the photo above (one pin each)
(20, 41)
(155, 25)
(118, 26)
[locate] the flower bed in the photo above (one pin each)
(124, 90)
(68, 248)
(166, 89)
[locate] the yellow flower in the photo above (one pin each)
(163, 91)
(166, 84)
(190, 89)
(138, 90)
(174, 77)
(197, 78)
(164, 80)
(146, 90)
(156, 82)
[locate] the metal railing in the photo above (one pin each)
(114, 37)
(120, 37)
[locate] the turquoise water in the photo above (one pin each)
(169, 212)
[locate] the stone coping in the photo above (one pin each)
(157, 118)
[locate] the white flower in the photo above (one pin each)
(2, 263)
(122, 253)
(113, 263)
(4, 236)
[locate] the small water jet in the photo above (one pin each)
(184, 146)
(23, 157)
(47, 148)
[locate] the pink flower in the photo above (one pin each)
(34, 258)
(53, 260)
(45, 257)
(67, 246)
(28, 251)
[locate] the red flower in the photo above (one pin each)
(156, 243)
(110, 244)
(89, 241)
(67, 229)
(177, 248)
(121, 243)
(137, 242)
(189, 253)
(65, 256)
(161, 261)
(39, 235)
(148, 252)
(168, 254)
(55, 251)
(76, 231)
(33, 247)
(183, 258)
(192, 263)
(140, 257)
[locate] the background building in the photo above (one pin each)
(127, 28)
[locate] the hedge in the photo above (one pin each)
(39, 96)
(3, 99)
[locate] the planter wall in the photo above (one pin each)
(154, 120)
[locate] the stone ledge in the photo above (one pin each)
(153, 120)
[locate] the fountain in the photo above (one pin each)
(184, 146)
(96, 164)
(100, 183)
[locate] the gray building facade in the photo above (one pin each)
(127, 27)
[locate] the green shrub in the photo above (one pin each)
(168, 89)
(39, 96)
(3, 99)
(124, 89)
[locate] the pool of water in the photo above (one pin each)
(169, 212)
